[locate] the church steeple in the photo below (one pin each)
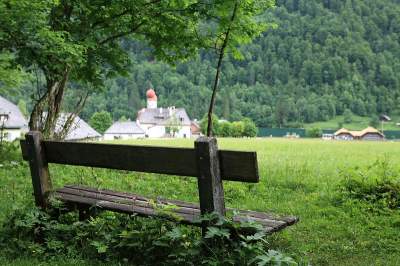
(151, 98)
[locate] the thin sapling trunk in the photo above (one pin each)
(218, 71)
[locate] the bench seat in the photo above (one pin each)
(187, 213)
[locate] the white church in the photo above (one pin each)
(153, 122)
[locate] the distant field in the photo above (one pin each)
(358, 123)
(298, 177)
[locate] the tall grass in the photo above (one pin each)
(297, 177)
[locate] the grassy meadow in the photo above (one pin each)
(299, 177)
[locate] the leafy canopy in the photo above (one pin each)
(84, 36)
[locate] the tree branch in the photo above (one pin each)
(125, 12)
(71, 117)
(121, 34)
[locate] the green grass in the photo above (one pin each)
(298, 177)
(358, 123)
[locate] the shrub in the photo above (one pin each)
(378, 186)
(314, 132)
(10, 152)
(249, 128)
(215, 125)
(237, 129)
(101, 121)
(225, 129)
(244, 128)
(112, 236)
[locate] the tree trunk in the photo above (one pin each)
(36, 117)
(54, 100)
(218, 73)
(47, 109)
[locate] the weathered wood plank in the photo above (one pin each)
(133, 200)
(130, 203)
(136, 196)
(235, 165)
(211, 191)
(289, 220)
(239, 166)
(173, 161)
(125, 208)
(39, 169)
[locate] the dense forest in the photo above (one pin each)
(324, 57)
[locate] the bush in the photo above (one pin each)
(237, 129)
(101, 121)
(225, 129)
(215, 125)
(378, 186)
(244, 128)
(10, 152)
(250, 128)
(314, 132)
(111, 236)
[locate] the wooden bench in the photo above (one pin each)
(205, 162)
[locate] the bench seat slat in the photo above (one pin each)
(132, 200)
(290, 220)
(117, 207)
(130, 195)
(186, 213)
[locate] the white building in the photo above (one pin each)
(79, 130)
(13, 123)
(158, 122)
(124, 130)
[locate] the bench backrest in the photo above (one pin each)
(205, 162)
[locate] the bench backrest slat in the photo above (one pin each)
(235, 165)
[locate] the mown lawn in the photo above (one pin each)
(298, 177)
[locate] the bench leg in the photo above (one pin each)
(39, 169)
(211, 192)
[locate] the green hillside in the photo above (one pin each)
(357, 123)
(324, 57)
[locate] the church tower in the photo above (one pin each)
(151, 98)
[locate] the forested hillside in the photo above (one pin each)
(324, 57)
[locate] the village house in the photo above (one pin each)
(79, 130)
(160, 122)
(12, 122)
(124, 130)
(153, 122)
(195, 128)
(368, 133)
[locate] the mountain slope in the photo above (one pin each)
(323, 58)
